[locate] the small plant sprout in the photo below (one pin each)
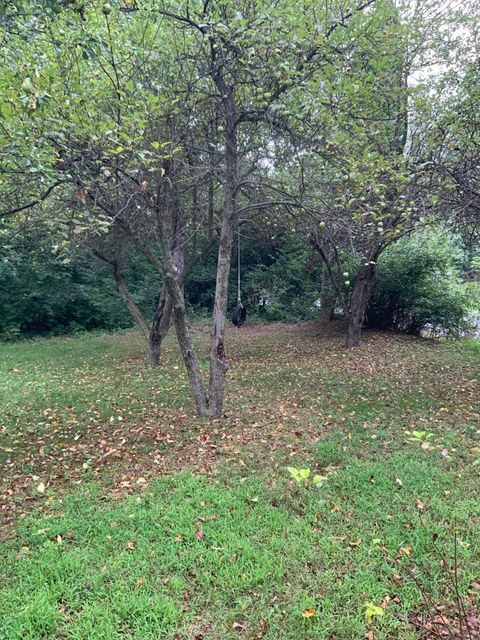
(420, 437)
(372, 610)
(300, 475)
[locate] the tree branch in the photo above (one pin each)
(33, 203)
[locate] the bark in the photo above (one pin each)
(155, 334)
(362, 292)
(218, 355)
(173, 273)
(185, 339)
(160, 326)
(128, 301)
(327, 298)
(208, 405)
(210, 203)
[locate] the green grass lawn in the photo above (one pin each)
(124, 516)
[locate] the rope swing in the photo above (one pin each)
(239, 313)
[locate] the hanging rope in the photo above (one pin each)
(239, 293)
(239, 314)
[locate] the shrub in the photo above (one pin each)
(420, 287)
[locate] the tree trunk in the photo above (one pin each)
(185, 339)
(134, 311)
(362, 292)
(160, 326)
(218, 354)
(161, 321)
(327, 298)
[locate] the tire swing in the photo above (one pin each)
(239, 314)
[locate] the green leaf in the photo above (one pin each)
(27, 85)
(372, 610)
(299, 474)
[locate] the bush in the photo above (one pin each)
(420, 288)
(287, 288)
(43, 294)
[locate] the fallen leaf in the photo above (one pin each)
(309, 613)
(237, 625)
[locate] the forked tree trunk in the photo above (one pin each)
(362, 292)
(161, 322)
(208, 405)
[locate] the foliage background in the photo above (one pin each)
(44, 291)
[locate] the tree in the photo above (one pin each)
(110, 155)
(458, 127)
(368, 153)
(220, 76)
(251, 55)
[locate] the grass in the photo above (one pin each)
(154, 524)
